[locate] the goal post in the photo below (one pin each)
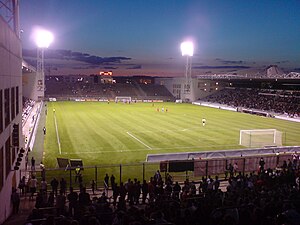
(260, 138)
(122, 99)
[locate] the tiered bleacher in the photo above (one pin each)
(266, 196)
(59, 88)
(27, 107)
(281, 102)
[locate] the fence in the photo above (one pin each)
(145, 170)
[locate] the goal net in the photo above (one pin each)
(260, 138)
(122, 99)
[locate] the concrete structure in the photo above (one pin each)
(200, 88)
(10, 104)
(29, 79)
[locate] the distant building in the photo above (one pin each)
(106, 77)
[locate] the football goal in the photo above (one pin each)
(122, 99)
(260, 138)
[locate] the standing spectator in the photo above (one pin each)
(63, 185)
(145, 191)
(261, 165)
(216, 184)
(116, 193)
(51, 199)
(32, 163)
(235, 168)
(54, 185)
(230, 169)
(39, 201)
(176, 190)
(77, 173)
(43, 171)
(157, 176)
(168, 189)
(60, 203)
(151, 188)
(106, 180)
(44, 130)
(43, 185)
(122, 191)
(22, 185)
(72, 197)
(32, 186)
(84, 197)
(130, 191)
(15, 199)
(93, 184)
(80, 180)
(169, 179)
(137, 191)
(112, 181)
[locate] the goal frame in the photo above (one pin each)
(276, 135)
(122, 98)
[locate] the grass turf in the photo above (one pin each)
(101, 133)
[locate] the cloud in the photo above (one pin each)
(78, 56)
(221, 67)
(232, 62)
(110, 68)
(134, 67)
(282, 62)
(296, 69)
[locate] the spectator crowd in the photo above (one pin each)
(268, 196)
(278, 102)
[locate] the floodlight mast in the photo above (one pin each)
(187, 50)
(43, 40)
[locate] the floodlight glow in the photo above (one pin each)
(187, 48)
(43, 38)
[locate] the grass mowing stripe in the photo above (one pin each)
(96, 132)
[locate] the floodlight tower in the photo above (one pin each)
(43, 39)
(187, 49)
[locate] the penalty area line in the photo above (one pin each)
(131, 135)
(57, 136)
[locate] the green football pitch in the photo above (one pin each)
(117, 133)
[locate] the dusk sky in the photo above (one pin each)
(226, 33)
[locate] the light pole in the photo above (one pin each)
(187, 49)
(43, 39)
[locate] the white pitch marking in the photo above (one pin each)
(57, 136)
(131, 135)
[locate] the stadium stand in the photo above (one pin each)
(61, 87)
(268, 196)
(27, 107)
(281, 102)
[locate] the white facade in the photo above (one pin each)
(10, 112)
(200, 88)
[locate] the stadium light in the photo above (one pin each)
(187, 48)
(43, 39)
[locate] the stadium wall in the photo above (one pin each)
(221, 154)
(200, 87)
(244, 110)
(11, 89)
(29, 80)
